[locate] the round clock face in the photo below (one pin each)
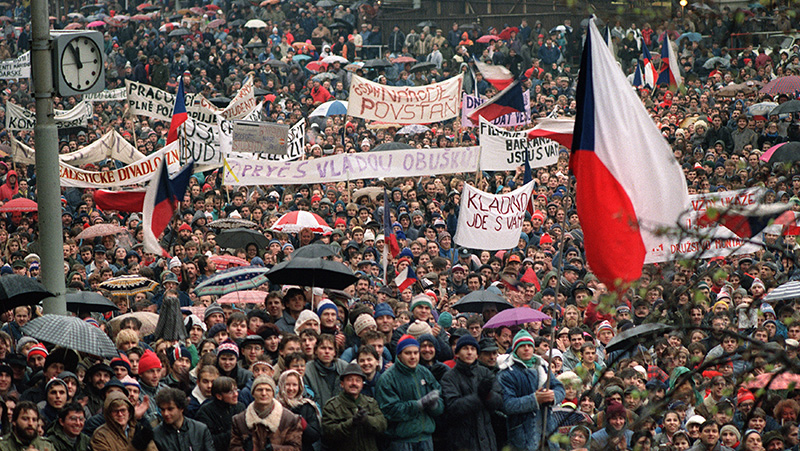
(81, 63)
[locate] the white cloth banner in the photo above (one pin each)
(246, 171)
(471, 103)
(146, 100)
(503, 150)
(106, 96)
(713, 240)
(132, 174)
(242, 104)
(491, 221)
(18, 118)
(404, 104)
(16, 68)
(111, 145)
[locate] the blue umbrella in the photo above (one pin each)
(234, 279)
(691, 36)
(297, 58)
(332, 108)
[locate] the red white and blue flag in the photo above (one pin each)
(389, 237)
(749, 221)
(160, 203)
(629, 185)
(179, 114)
(557, 129)
(405, 279)
(498, 76)
(637, 78)
(509, 100)
(669, 74)
(649, 74)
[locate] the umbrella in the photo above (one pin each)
(95, 24)
(178, 32)
(91, 8)
(734, 88)
(404, 59)
(245, 296)
(220, 101)
(377, 63)
(16, 290)
(295, 221)
(255, 23)
(558, 29)
(72, 333)
(635, 335)
(197, 10)
(228, 261)
(237, 23)
(787, 291)
(393, 145)
(782, 85)
(487, 38)
(792, 106)
(334, 59)
(691, 36)
(216, 23)
(783, 153)
(427, 23)
(515, 317)
(140, 18)
(170, 321)
(332, 108)
(316, 66)
(148, 320)
(325, 76)
(240, 238)
(89, 301)
(269, 2)
(371, 191)
(169, 26)
(326, 4)
(100, 230)
(506, 33)
(128, 285)
(713, 61)
(232, 223)
(143, 6)
(19, 205)
(74, 26)
(568, 417)
(312, 272)
(422, 66)
(315, 250)
(413, 129)
(478, 300)
(775, 381)
(303, 45)
(276, 63)
(698, 5)
(761, 109)
(466, 26)
(75, 16)
(233, 279)
(297, 58)
(212, 7)
(150, 9)
(352, 67)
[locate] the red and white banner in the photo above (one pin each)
(489, 221)
(132, 174)
(404, 104)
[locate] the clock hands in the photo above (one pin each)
(76, 52)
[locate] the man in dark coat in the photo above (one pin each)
(352, 420)
(178, 433)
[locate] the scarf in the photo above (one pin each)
(271, 418)
(528, 363)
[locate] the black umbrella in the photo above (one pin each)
(312, 272)
(91, 8)
(175, 18)
(792, 106)
(276, 63)
(150, 9)
(260, 92)
(16, 290)
(220, 101)
(377, 63)
(422, 66)
(476, 301)
(240, 238)
(636, 335)
(72, 333)
(786, 153)
(315, 250)
(255, 45)
(89, 301)
(178, 32)
(237, 23)
(345, 22)
(393, 145)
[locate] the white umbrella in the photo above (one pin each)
(255, 23)
(332, 108)
(334, 59)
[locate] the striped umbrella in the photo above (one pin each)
(295, 221)
(782, 85)
(246, 296)
(332, 108)
(232, 223)
(789, 290)
(72, 333)
(129, 285)
(19, 205)
(234, 279)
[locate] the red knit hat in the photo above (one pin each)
(744, 395)
(38, 349)
(148, 361)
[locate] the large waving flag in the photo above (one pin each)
(179, 115)
(557, 129)
(669, 74)
(498, 76)
(649, 75)
(509, 100)
(405, 279)
(628, 182)
(160, 203)
(749, 221)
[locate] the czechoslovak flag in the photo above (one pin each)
(179, 114)
(670, 74)
(498, 76)
(405, 279)
(628, 182)
(160, 202)
(649, 74)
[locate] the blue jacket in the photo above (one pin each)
(600, 438)
(525, 422)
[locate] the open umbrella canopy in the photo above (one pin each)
(103, 229)
(148, 320)
(216, 23)
(233, 279)
(243, 296)
(326, 4)
(89, 301)
(19, 205)
(792, 106)
(782, 85)
(220, 101)
(315, 250)
(232, 223)
(255, 23)
(312, 272)
(16, 290)
(478, 300)
(404, 59)
(128, 285)
(782, 153)
(413, 129)
(487, 38)
(392, 145)
(516, 317)
(332, 108)
(178, 32)
(276, 63)
(295, 221)
(780, 380)
(96, 24)
(691, 36)
(761, 109)
(72, 333)
(240, 238)
(300, 58)
(377, 63)
(785, 292)
(334, 59)
(325, 76)
(228, 261)
(638, 334)
(422, 66)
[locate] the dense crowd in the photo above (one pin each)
(371, 367)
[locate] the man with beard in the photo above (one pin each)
(25, 430)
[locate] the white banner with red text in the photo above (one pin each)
(132, 174)
(404, 104)
(491, 221)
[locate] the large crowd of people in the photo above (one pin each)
(373, 367)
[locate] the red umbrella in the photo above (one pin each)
(212, 7)
(216, 23)
(197, 10)
(485, 39)
(782, 85)
(316, 66)
(141, 17)
(74, 26)
(506, 33)
(228, 261)
(296, 221)
(404, 59)
(143, 6)
(782, 381)
(19, 205)
(96, 23)
(103, 229)
(246, 296)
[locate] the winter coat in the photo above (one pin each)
(312, 430)
(112, 437)
(525, 421)
(600, 439)
(58, 438)
(218, 416)
(192, 436)
(399, 388)
(324, 382)
(8, 190)
(338, 430)
(281, 428)
(468, 418)
(10, 442)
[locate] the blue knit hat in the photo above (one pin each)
(325, 305)
(404, 342)
(383, 309)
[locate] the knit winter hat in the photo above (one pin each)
(418, 328)
(305, 316)
(404, 342)
(605, 325)
(148, 361)
(325, 305)
(522, 337)
(176, 352)
(421, 299)
(445, 320)
(38, 349)
(260, 380)
(731, 428)
(213, 308)
(130, 382)
(467, 340)
(363, 322)
(55, 381)
(227, 346)
(215, 329)
(383, 309)
(744, 395)
(614, 410)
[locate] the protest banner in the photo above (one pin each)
(708, 241)
(404, 104)
(245, 171)
(207, 144)
(242, 104)
(16, 68)
(504, 150)
(491, 221)
(106, 96)
(132, 174)
(111, 145)
(18, 118)
(471, 103)
(260, 137)
(146, 100)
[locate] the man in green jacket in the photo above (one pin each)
(408, 396)
(350, 420)
(25, 430)
(66, 433)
